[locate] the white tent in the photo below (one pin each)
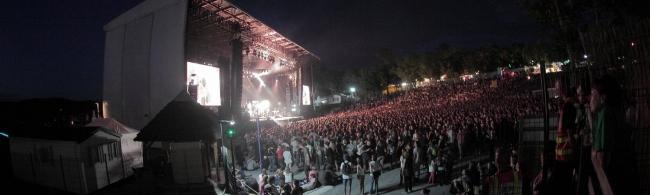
(131, 149)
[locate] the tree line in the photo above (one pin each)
(391, 67)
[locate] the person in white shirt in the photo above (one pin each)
(346, 171)
(349, 148)
(432, 171)
(288, 175)
(416, 159)
(287, 158)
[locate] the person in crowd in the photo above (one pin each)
(261, 182)
(280, 178)
(409, 173)
(279, 155)
(402, 165)
(375, 172)
(416, 160)
(362, 151)
(505, 180)
(611, 148)
(288, 159)
(308, 151)
(285, 189)
(548, 186)
(564, 162)
(312, 180)
(346, 173)
(466, 183)
(361, 176)
(288, 175)
(475, 177)
(296, 189)
(269, 188)
(583, 127)
(425, 191)
(271, 158)
(330, 155)
(380, 153)
(432, 172)
(442, 170)
(329, 177)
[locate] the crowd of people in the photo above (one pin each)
(422, 131)
(592, 137)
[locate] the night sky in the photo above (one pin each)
(56, 48)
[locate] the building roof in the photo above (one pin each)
(183, 119)
(75, 134)
(112, 124)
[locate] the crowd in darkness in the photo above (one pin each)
(423, 131)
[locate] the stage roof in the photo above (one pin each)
(221, 13)
(255, 31)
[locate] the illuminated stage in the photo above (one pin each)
(223, 57)
(274, 77)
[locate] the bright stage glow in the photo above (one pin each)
(352, 89)
(306, 98)
(259, 78)
(264, 105)
(203, 84)
(404, 84)
(258, 108)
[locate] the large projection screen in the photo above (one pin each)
(306, 99)
(203, 84)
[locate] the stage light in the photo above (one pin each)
(585, 56)
(293, 109)
(404, 84)
(352, 89)
(232, 122)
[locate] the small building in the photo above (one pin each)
(180, 140)
(131, 149)
(74, 159)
